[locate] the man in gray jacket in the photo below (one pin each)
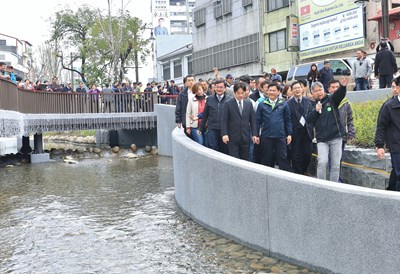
(362, 69)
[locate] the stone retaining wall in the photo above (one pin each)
(327, 226)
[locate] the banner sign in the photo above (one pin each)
(329, 26)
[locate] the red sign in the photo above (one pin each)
(305, 10)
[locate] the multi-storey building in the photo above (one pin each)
(177, 15)
(17, 53)
(226, 35)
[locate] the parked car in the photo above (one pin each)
(340, 67)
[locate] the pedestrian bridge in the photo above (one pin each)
(25, 112)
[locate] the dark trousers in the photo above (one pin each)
(257, 154)
(396, 166)
(274, 148)
(385, 81)
(301, 148)
(215, 141)
(239, 150)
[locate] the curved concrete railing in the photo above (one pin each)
(327, 226)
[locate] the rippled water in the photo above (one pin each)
(103, 216)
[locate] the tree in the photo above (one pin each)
(45, 63)
(106, 44)
(122, 38)
(71, 30)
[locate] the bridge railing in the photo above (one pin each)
(27, 101)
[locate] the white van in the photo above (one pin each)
(340, 67)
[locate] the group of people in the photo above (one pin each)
(250, 119)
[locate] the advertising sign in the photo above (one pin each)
(329, 26)
(293, 33)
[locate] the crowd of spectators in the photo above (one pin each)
(267, 122)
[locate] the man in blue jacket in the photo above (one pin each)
(274, 120)
(326, 75)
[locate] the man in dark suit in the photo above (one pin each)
(212, 115)
(181, 103)
(257, 93)
(237, 120)
(303, 133)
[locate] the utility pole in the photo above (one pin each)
(136, 65)
(187, 17)
(385, 19)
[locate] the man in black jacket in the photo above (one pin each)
(388, 131)
(385, 66)
(329, 130)
(212, 116)
(181, 103)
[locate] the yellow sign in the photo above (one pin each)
(310, 10)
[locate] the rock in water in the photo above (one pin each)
(131, 156)
(115, 149)
(133, 147)
(147, 148)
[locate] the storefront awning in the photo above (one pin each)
(392, 12)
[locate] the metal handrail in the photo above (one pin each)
(28, 101)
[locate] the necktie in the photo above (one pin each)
(240, 107)
(219, 98)
(301, 111)
(273, 104)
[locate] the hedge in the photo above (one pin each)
(365, 118)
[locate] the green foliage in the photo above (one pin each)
(365, 119)
(105, 44)
(82, 133)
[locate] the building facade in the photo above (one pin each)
(323, 32)
(17, 53)
(174, 57)
(226, 35)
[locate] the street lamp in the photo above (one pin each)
(385, 15)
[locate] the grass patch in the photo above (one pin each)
(81, 133)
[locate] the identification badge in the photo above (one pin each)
(302, 121)
(329, 109)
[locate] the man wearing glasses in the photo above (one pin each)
(212, 116)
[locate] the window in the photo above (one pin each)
(226, 7)
(232, 53)
(302, 72)
(3, 42)
(338, 67)
(166, 71)
(217, 7)
(277, 40)
(200, 17)
(246, 3)
(276, 4)
(177, 69)
(290, 74)
(189, 65)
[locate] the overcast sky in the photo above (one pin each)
(28, 19)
